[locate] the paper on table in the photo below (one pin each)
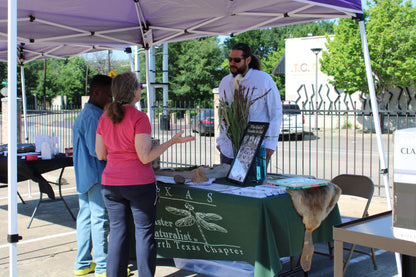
(165, 179)
(273, 190)
(218, 187)
(171, 180)
(248, 191)
(209, 182)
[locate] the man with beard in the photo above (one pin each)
(265, 109)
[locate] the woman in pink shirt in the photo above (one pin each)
(129, 183)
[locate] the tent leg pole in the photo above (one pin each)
(11, 136)
(374, 109)
(148, 87)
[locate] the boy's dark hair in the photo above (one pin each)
(99, 82)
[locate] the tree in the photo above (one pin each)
(71, 79)
(269, 63)
(391, 37)
(264, 41)
(194, 69)
(63, 77)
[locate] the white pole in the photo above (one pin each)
(135, 67)
(152, 74)
(137, 61)
(165, 78)
(132, 68)
(375, 113)
(12, 236)
(22, 73)
(22, 78)
(374, 108)
(148, 86)
(152, 77)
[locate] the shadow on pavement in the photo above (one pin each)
(52, 211)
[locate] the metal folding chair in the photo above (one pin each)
(358, 186)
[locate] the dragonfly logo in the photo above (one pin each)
(201, 220)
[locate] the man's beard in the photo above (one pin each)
(240, 70)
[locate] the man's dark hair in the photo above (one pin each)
(255, 61)
(99, 82)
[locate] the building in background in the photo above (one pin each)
(301, 79)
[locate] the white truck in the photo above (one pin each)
(292, 120)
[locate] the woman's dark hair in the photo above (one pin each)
(255, 61)
(122, 87)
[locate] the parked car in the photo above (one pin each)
(203, 122)
(292, 120)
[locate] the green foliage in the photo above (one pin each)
(269, 63)
(392, 42)
(71, 79)
(265, 41)
(344, 58)
(391, 37)
(194, 69)
(66, 78)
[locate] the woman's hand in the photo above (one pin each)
(147, 153)
(178, 138)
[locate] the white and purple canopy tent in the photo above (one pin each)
(146, 23)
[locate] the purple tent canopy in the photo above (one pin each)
(148, 22)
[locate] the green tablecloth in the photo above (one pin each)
(195, 223)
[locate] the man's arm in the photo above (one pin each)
(274, 111)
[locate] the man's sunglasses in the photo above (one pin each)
(236, 60)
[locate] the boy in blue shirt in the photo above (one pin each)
(92, 220)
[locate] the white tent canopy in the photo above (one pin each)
(145, 23)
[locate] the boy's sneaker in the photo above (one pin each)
(85, 271)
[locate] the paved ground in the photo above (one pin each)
(48, 247)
